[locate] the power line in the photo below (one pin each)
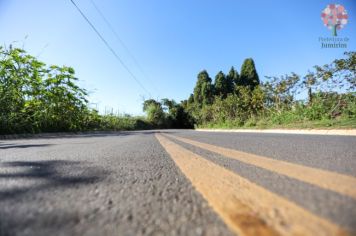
(110, 48)
(123, 44)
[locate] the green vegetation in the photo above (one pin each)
(36, 98)
(242, 101)
(167, 114)
(329, 91)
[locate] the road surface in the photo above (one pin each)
(178, 182)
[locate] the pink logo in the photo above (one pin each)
(334, 16)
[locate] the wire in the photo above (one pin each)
(110, 48)
(123, 44)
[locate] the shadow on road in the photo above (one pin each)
(49, 174)
(92, 134)
(22, 182)
(46, 223)
(9, 145)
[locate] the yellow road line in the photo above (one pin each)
(339, 183)
(245, 207)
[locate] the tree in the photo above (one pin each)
(155, 113)
(280, 91)
(223, 85)
(190, 99)
(310, 81)
(234, 76)
(340, 74)
(220, 84)
(249, 76)
(169, 104)
(203, 91)
(148, 103)
(177, 116)
(167, 114)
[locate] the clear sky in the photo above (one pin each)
(172, 41)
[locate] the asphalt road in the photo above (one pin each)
(156, 183)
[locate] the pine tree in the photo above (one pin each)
(234, 77)
(249, 76)
(191, 99)
(223, 85)
(203, 91)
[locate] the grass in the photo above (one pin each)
(268, 124)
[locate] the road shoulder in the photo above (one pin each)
(346, 132)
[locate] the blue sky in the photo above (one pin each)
(171, 40)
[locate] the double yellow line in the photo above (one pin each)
(247, 208)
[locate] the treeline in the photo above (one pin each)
(325, 96)
(167, 114)
(36, 98)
